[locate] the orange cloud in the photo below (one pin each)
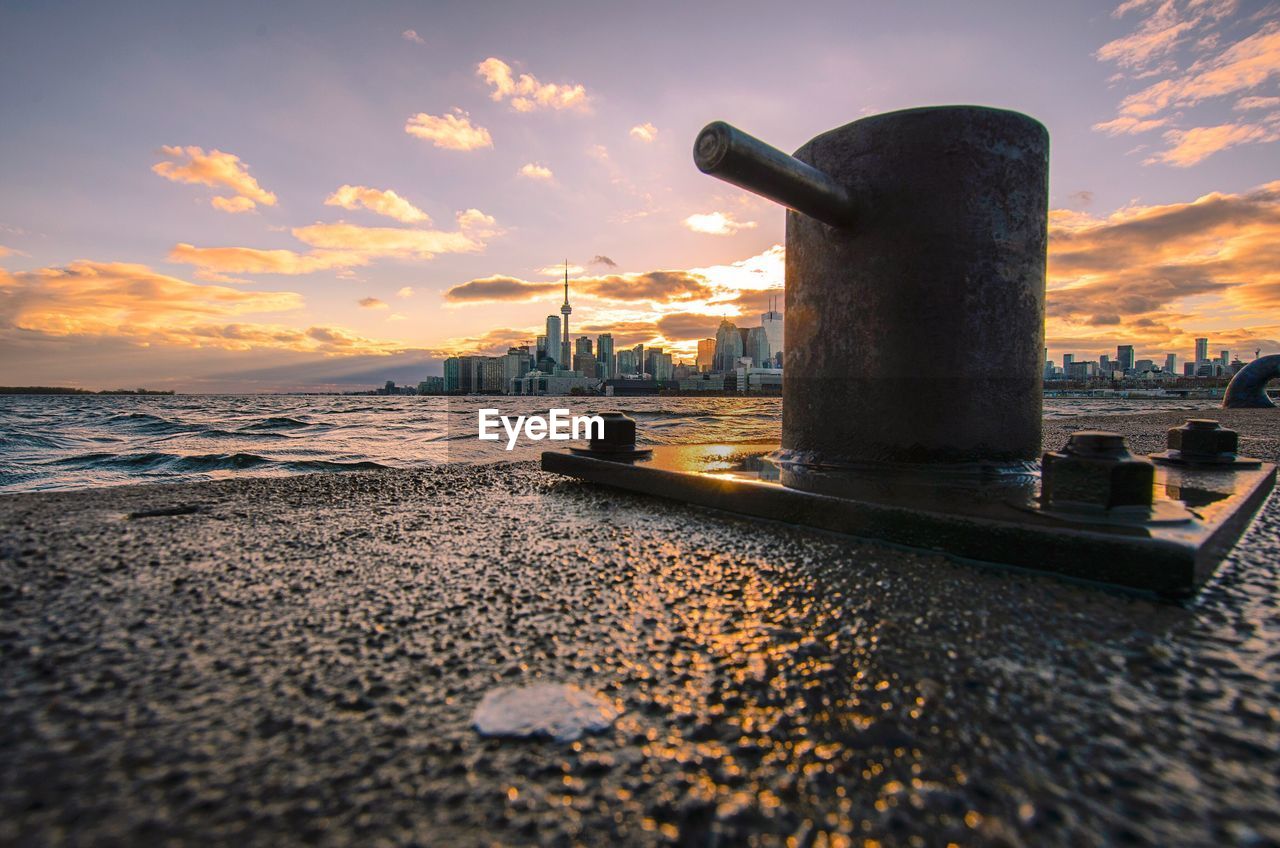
(116, 297)
(380, 201)
(1222, 64)
(654, 286)
(372, 303)
(1193, 145)
(217, 170)
(1144, 270)
(526, 93)
(449, 132)
(90, 302)
(342, 246)
(250, 260)
(385, 241)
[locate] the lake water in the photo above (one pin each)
(70, 442)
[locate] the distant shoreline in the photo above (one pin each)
(64, 390)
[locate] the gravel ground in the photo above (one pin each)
(295, 661)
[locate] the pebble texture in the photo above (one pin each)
(297, 661)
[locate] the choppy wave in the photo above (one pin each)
(65, 442)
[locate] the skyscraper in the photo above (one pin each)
(582, 345)
(553, 341)
(604, 353)
(1171, 363)
(1124, 358)
(452, 374)
(773, 324)
(540, 350)
(638, 351)
(706, 354)
(757, 347)
(728, 346)
(627, 362)
(565, 309)
(1067, 359)
(1202, 350)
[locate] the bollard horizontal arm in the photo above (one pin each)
(726, 152)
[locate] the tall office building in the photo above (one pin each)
(452, 375)
(706, 354)
(757, 347)
(627, 362)
(651, 355)
(1124, 358)
(1067, 359)
(728, 346)
(773, 326)
(565, 309)
(604, 353)
(1224, 357)
(1171, 363)
(638, 351)
(540, 351)
(1202, 350)
(515, 365)
(582, 345)
(553, 340)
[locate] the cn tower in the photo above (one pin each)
(566, 349)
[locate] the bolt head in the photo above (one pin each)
(1202, 438)
(619, 433)
(1095, 468)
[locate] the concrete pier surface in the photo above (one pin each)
(296, 661)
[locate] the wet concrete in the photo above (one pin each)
(281, 661)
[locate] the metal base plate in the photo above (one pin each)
(1170, 550)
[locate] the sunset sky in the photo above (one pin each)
(268, 196)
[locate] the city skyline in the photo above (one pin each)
(275, 200)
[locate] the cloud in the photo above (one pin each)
(1247, 103)
(599, 259)
(1199, 143)
(412, 35)
(342, 246)
(716, 223)
(234, 205)
(535, 171)
(476, 223)
(406, 291)
(499, 288)
(372, 303)
(1187, 53)
(123, 299)
(526, 93)
(450, 132)
(385, 241)
(655, 286)
(380, 201)
(249, 260)
(1215, 260)
(216, 170)
(490, 343)
(645, 132)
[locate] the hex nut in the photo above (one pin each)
(1202, 438)
(1095, 468)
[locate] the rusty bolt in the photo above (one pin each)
(1096, 468)
(1204, 440)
